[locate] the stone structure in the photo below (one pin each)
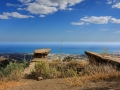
(95, 58)
(41, 53)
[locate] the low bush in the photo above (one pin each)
(88, 73)
(67, 59)
(13, 71)
(41, 69)
(56, 69)
(102, 72)
(94, 73)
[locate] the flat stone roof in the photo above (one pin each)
(42, 51)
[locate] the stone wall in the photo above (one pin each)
(95, 58)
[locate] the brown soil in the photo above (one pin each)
(58, 84)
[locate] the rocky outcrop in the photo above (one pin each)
(5, 61)
(95, 58)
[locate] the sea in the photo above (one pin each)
(59, 47)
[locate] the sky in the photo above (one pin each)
(60, 20)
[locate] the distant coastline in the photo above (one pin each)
(67, 48)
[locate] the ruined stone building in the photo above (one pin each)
(41, 53)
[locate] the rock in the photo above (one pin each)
(95, 58)
(5, 61)
(40, 78)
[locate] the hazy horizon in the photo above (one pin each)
(96, 43)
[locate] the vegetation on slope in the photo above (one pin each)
(13, 71)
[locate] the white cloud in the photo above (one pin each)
(25, 1)
(21, 8)
(104, 29)
(7, 15)
(116, 5)
(48, 6)
(4, 17)
(35, 8)
(117, 32)
(42, 7)
(96, 20)
(48, 2)
(42, 16)
(63, 6)
(61, 3)
(13, 5)
(77, 23)
(114, 0)
(70, 31)
(114, 20)
(70, 9)
(109, 1)
(9, 4)
(18, 15)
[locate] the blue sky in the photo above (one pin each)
(60, 20)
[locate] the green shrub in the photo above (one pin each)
(54, 73)
(25, 63)
(55, 69)
(71, 73)
(67, 59)
(41, 69)
(13, 71)
(73, 65)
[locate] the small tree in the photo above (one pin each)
(67, 59)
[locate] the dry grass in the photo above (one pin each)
(13, 72)
(90, 73)
(57, 69)
(67, 70)
(93, 73)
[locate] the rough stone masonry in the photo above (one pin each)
(95, 58)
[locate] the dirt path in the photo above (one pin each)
(29, 68)
(57, 84)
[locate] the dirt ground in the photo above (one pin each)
(57, 84)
